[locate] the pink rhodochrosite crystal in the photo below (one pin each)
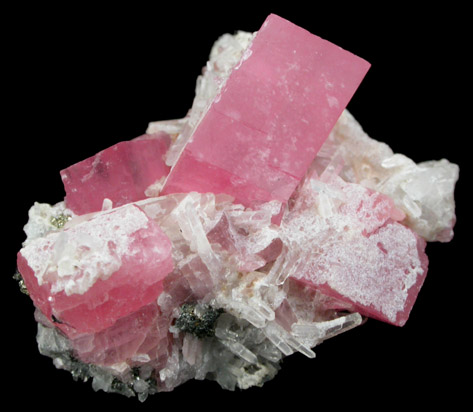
(122, 173)
(140, 336)
(274, 231)
(362, 255)
(270, 118)
(98, 270)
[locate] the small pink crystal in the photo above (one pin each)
(97, 271)
(121, 173)
(362, 255)
(270, 119)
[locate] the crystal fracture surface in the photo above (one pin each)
(261, 224)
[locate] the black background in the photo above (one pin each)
(81, 78)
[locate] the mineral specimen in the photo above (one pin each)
(261, 224)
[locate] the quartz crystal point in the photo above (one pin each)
(125, 172)
(269, 118)
(141, 287)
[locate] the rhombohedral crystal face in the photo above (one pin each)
(263, 223)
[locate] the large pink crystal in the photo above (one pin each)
(271, 117)
(121, 173)
(91, 274)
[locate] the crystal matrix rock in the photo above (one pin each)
(142, 290)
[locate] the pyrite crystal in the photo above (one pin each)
(263, 223)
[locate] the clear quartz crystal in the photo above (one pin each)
(315, 332)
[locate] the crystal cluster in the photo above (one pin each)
(263, 223)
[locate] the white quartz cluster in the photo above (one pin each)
(424, 191)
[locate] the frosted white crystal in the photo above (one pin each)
(289, 263)
(172, 127)
(191, 349)
(193, 231)
(107, 204)
(155, 188)
(425, 191)
(238, 349)
(273, 332)
(285, 341)
(268, 351)
(314, 333)
(244, 311)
